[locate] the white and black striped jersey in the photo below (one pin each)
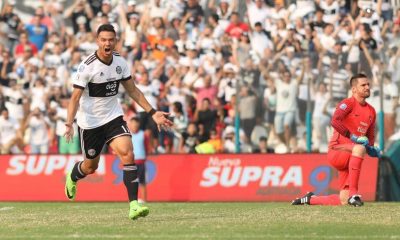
(99, 103)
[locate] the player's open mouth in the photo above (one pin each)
(107, 50)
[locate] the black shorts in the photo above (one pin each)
(141, 171)
(93, 140)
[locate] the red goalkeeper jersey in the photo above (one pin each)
(351, 117)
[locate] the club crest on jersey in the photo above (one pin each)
(118, 69)
(343, 106)
(81, 68)
(91, 152)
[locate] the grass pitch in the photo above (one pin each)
(198, 221)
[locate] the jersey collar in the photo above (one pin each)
(108, 64)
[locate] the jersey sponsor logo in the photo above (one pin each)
(118, 70)
(111, 86)
(105, 89)
(231, 173)
(362, 130)
(343, 106)
(81, 68)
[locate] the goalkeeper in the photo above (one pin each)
(353, 138)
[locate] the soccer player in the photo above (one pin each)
(99, 116)
(353, 137)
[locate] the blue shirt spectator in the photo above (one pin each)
(37, 32)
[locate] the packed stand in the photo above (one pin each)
(206, 62)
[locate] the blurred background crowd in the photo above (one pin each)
(209, 63)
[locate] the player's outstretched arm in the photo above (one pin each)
(159, 117)
(71, 112)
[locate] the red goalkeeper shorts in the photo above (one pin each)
(339, 159)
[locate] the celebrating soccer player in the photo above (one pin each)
(99, 116)
(353, 137)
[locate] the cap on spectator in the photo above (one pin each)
(229, 67)
(81, 20)
(368, 8)
(53, 104)
(184, 62)
(290, 27)
(133, 15)
(106, 2)
(34, 62)
(174, 15)
(13, 75)
(132, 3)
(191, 46)
(290, 49)
(229, 130)
(58, 6)
(281, 148)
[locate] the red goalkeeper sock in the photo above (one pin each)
(354, 174)
(332, 200)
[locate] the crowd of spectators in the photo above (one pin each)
(267, 61)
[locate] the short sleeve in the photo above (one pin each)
(126, 72)
(81, 78)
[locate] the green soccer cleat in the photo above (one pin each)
(70, 187)
(136, 211)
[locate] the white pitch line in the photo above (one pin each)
(194, 236)
(6, 208)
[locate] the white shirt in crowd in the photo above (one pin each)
(151, 94)
(61, 115)
(390, 91)
(331, 12)
(14, 102)
(256, 14)
(8, 129)
(286, 94)
(38, 130)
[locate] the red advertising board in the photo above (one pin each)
(224, 177)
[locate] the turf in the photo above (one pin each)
(198, 221)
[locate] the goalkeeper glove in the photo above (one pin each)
(363, 140)
(373, 151)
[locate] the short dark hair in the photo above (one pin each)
(215, 17)
(354, 79)
(178, 106)
(135, 119)
(106, 28)
(234, 13)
